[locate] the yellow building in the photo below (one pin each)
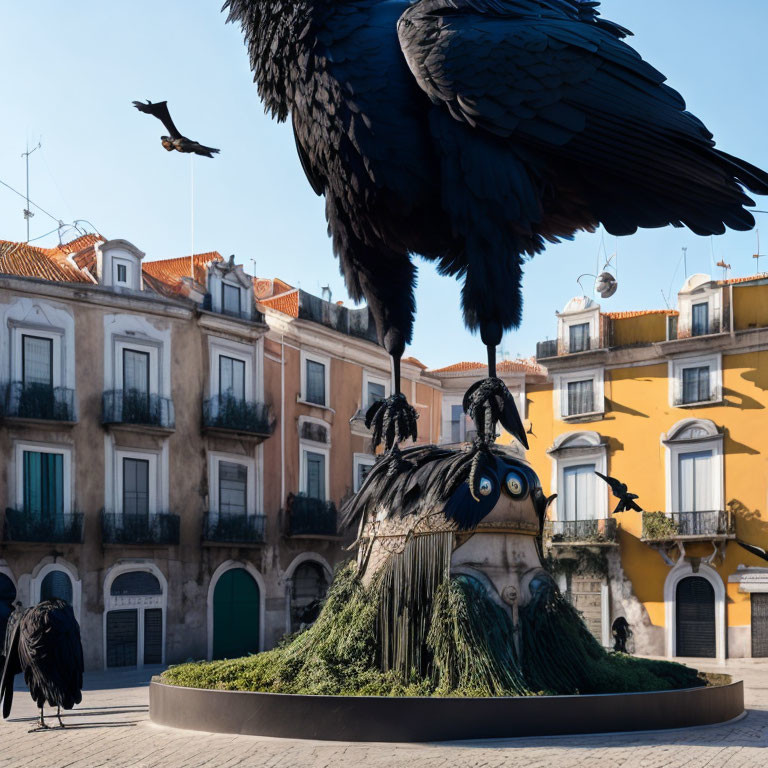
(673, 404)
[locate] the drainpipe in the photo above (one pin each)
(282, 419)
(730, 312)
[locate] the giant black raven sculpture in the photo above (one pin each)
(175, 141)
(45, 645)
(473, 133)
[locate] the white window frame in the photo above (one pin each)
(597, 375)
(55, 335)
(705, 292)
(374, 378)
(364, 459)
(448, 401)
(219, 274)
(254, 492)
(152, 350)
(315, 447)
(675, 447)
(46, 567)
(129, 265)
(218, 348)
(68, 479)
(590, 450)
(675, 378)
(326, 361)
(153, 458)
(139, 603)
(589, 315)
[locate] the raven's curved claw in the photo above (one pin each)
(392, 420)
(487, 402)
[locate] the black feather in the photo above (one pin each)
(754, 549)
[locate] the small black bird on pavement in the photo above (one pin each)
(175, 141)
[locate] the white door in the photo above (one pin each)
(695, 473)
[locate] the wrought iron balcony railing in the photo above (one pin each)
(38, 401)
(545, 349)
(28, 526)
(161, 528)
(234, 529)
(311, 517)
(135, 407)
(658, 526)
(581, 531)
(234, 414)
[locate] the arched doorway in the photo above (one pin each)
(56, 585)
(236, 615)
(134, 620)
(309, 586)
(695, 620)
(7, 596)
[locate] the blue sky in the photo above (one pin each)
(77, 66)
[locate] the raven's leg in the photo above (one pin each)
(42, 719)
(58, 715)
(488, 401)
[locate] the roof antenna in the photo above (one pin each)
(27, 213)
(192, 215)
(758, 255)
(725, 268)
(685, 260)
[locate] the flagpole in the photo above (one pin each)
(192, 215)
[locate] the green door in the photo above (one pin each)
(235, 615)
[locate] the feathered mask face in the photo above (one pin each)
(493, 476)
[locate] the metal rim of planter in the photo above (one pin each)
(424, 719)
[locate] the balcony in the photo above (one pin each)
(588, 532)
(137, 408)
(676, 526)
(148, 530)
(230, 414)
(311, 517)
(234, 529)
(25, 526)
(38, 402)
(545, 349)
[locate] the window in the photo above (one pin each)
(122, 273)
(315, 382)
(136, 487)
(462, 428)
(581, 397)
(578, 338)
(136, 372)
(314, 468)
(579, 502)
(230, 299)
(231, 377)
(695, 481)
(56, 586)
(700, 319)
(233, 488)
(696, 385)
(376, 392)
(363, 464)
(37, 361)
(43, 484)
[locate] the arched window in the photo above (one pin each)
(309, 588)
(136, 583)
(56, 585)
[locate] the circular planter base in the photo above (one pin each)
(364, 718)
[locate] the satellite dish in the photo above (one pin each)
(606, 285)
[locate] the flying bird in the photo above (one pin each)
(755, 550)
(621, 492)
(45, 645)
(175, 141)
(473, 133)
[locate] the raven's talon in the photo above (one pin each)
(488, 402)
(392, 420)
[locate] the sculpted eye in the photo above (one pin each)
(516, 485)
(485, 487)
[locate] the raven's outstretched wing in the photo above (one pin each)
(561, 85)
(159, 110)
(11, 668)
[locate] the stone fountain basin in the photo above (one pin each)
(425, 719)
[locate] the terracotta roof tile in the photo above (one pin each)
(25, 260)
(80, 243)
(640, 313)
(170, 271)
(267, 288)
(287, 303)
(505, 366)
(735, 280)
(415, 361)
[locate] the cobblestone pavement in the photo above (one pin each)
(112, 728)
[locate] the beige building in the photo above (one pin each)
(173, 455)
